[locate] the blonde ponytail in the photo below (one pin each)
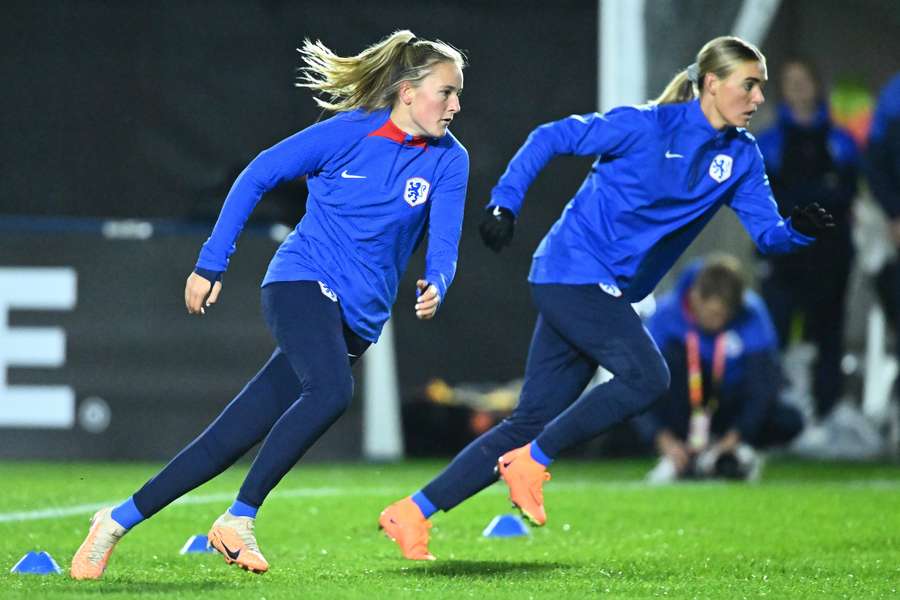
(720, 56)
(680, 89)
(370, 80)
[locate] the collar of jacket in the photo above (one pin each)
(390, 131)
(695, 116)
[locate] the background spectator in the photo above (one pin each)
(720, 346)
(810, 159)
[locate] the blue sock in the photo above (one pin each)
(126, 514)
(538, 455)
(424, 504)
(242, 509)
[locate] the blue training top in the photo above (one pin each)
(661, 174)
(372, 188)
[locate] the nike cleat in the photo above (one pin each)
(525, 478)
(404, 523)
(92, 556)
(233, 538)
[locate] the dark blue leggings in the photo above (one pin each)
(300, 391)
(578, 328)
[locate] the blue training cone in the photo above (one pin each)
(506, 526)
(196, 543)
(36, 563)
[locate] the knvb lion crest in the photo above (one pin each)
(720, 168)
(415, 192)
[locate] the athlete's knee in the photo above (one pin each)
(338, 393)
(333, 392)
(343, 395)
(654, 379)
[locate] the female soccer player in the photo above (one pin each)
(662, 172)
(379, 171)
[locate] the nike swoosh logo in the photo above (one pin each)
(673, 155)
(347, 175)
(231, 554)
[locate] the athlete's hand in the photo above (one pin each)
(729, 442)
(811, 220)
(670, 446)
(200, 293)
(428, 300)
(497, 227)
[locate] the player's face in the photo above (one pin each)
(431, 106)
(712, 314)
(735, 99)
(798, 86)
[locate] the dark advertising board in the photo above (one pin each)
(100, 358)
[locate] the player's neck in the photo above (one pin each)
(712, 114)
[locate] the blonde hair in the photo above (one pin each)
(720, 56)
(371, 79)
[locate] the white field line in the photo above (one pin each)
(326, 492)
(80, 509)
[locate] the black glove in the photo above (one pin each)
(497, 227)
(811, 219)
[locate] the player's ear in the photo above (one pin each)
(711, 83)
(406, 92)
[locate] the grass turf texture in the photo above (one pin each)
(808, 530)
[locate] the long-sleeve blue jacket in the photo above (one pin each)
(372, 191)
(661, 174)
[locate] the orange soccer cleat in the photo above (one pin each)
(525, 478)
(404, 523)
(233, 538)
(90, 560)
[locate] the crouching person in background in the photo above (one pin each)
(719, 343)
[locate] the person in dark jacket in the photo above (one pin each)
(809, 158)
(720, 346)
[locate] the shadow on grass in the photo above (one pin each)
(488, 569)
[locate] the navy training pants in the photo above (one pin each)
(296, 396)
(578, 328)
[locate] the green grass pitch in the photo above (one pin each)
(808, 530)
